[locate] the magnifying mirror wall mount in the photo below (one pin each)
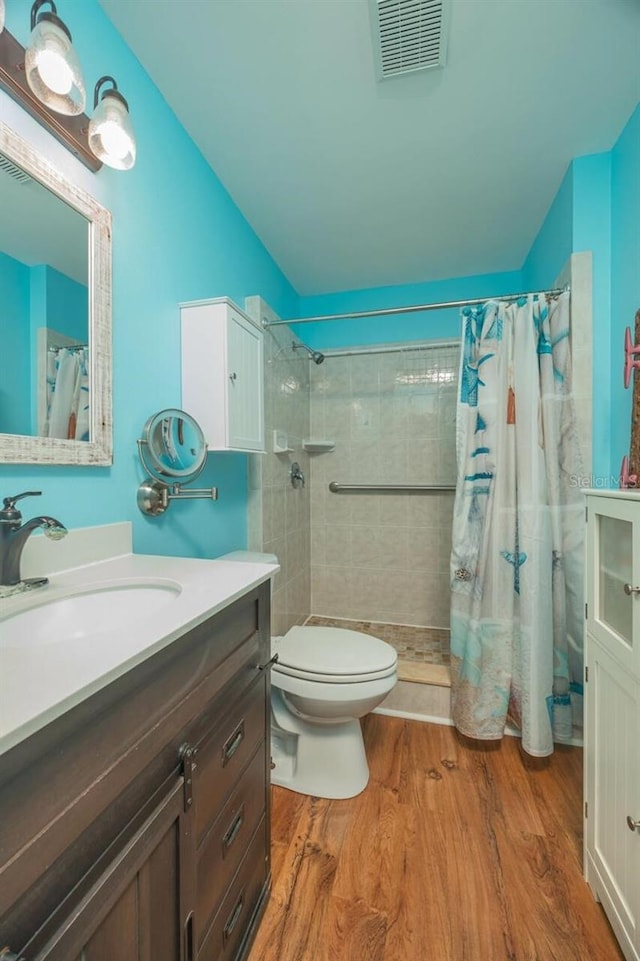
(154, 496)
(172, 446)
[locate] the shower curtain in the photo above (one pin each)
(68, 394)
(516, 563)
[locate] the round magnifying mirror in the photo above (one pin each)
(173, 446)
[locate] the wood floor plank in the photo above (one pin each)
(294, 924)
(357, 932)
(454, 852)
(473, 883)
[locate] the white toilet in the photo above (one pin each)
(324, 680)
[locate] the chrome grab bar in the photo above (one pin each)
(337, 488)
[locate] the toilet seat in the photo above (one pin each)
(333, 655)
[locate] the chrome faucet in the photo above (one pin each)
(14, 535)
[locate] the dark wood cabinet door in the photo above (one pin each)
(140, 908)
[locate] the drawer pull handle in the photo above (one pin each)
(232, 743)
(273, 660)
(233, 830)
(233, 918)
(188, 938)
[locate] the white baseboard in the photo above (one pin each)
(411, 716)
(447, 722)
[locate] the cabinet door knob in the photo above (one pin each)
(629, 590)
(631, 824)
(233, 376)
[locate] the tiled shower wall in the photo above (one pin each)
(279, 514)
(383, 557)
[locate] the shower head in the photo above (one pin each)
(315, 355)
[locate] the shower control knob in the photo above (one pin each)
(296, 474)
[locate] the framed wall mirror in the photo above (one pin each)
(55, 314)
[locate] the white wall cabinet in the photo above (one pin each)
(222, 377)
(612, 706)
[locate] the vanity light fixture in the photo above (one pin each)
(111, 136)
(46, 79)
(52, 66)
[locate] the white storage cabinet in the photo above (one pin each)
(222, 378)
(612, 710)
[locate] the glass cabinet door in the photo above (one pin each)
(613, 576)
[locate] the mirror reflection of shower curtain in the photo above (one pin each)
(516, 563)
(68, 394)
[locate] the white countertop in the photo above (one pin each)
(39, 683)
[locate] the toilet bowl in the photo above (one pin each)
(324, 681)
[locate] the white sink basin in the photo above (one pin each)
(85, 613)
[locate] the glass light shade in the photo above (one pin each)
(111, 136)
(53, 70)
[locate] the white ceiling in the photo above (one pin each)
(351, 182)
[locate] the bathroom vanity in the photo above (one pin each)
(135, 806)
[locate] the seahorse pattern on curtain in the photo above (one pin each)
(516, 563)
(68, 394)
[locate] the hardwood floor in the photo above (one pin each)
(454, 852)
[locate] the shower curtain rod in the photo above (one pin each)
(553, 292)
(406, 347)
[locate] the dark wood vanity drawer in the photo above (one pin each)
(223, 846)
(223, 754)
(232, 922)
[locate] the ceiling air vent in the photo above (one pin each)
(409, 35)
(9, 168)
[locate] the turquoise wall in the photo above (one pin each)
(625, 273)
(436, 324)
(177, 235)
(65, 303)
(15, 403)
(554, 243)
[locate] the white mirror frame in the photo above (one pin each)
(98, 451)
